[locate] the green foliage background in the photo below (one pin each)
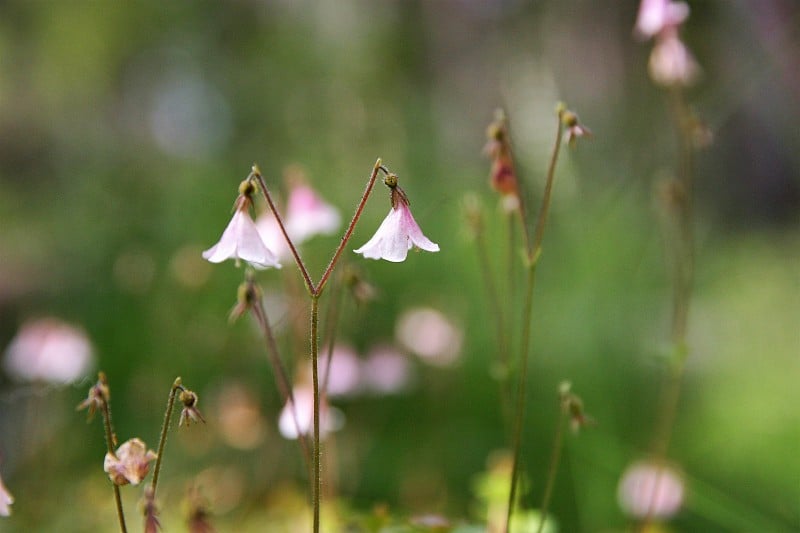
(99, 218)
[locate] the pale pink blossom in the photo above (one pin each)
(386, 371)
(242, 241)
(6, 499)
(656, 15)
(308, 215)
(50, 350)
(431, 335)
(331, 419)
(130, 463)
(270, 231)
(671, 62)
(648, 489)
(345, 371)
(397, 234)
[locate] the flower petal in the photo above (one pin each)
(249, 245)
(414, 232)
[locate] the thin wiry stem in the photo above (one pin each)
(162, 442)
(110, 442)
(682, 278)
(297, 259)
(331, 323)
(555, 460)
(349, 231)
(315, 383)
(533, 253)
(281, 377)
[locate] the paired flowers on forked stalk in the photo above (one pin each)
(241, 239)
(398, 232)
(396, 235)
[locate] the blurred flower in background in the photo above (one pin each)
(330, 418)
(386, 371)
(307, 214)
(238, 415)
(344, 378)
(429, 334)
(49, 350)
(647, 489)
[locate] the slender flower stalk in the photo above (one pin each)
(162, 442)
(103, 398)
(552, 469)
(281, 377)
(533, 252)
(315, 382)
(678, 212)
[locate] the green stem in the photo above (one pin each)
(533, 253)
(162, 442)
(315, 383)
(110, 441)
(683, 274)
(555, 460)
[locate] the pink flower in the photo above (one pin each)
(397, 234)
(6, 499)
(308, 215)
(650, 489)
(241, 240)
(49, 350)
(656, 15)
(130, 463)
(671, 63)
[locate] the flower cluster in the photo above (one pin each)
(671, 62)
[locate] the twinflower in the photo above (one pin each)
(241, 240)
(398, 232)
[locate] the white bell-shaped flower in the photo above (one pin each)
(241, 240)
(397, 234)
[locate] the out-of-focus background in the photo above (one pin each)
(125, 128)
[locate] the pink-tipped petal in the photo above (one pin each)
(241, 240)
(397, 234)
(415, 233)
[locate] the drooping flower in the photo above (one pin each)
(650, 489)
(398, 232)
(130, 463)
(656, 15)
(189, 413)
(49, 350)
(241, 239)
(574, 127)
(6, 499)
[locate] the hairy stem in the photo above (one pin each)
(533, 253)
(162, 442)
(110, 442)
(281, 377)
(315, 383)
(349, 231)
(297, 259)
